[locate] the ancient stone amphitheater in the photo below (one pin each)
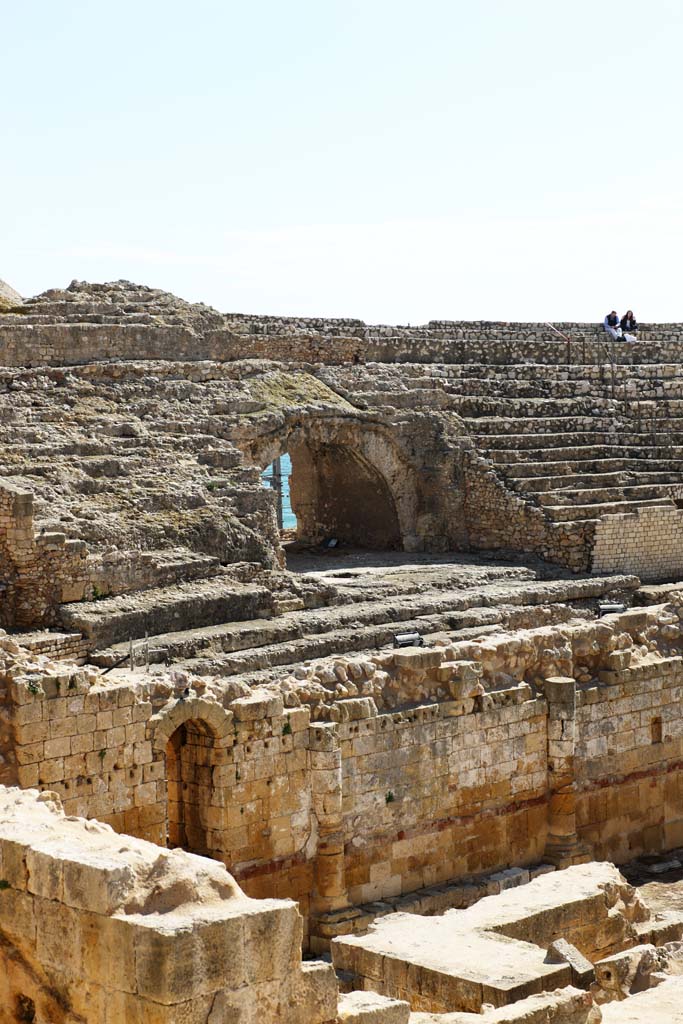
(376, 769)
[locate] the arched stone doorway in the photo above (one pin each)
(193, 734)
(190, 757)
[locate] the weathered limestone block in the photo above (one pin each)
(93, 920)
(354, 709)
(417, 659)
(619, 976)
(260, 704)
(371, 1008)
(562, 951)
(490, 952)
(660, 1005)
(565, 1006)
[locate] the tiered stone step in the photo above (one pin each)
(540, 458)
(242, 647)
(577, 482)
(201, 602)
(580, 495)
(476, 382)
(666, 442)
(338, 597)
(588, 428)
(578, 469)
(572, 513)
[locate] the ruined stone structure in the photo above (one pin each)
(184, 690)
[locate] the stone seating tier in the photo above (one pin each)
(151, 419)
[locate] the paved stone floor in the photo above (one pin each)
(659, 880)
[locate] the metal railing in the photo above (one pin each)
(605, 354)
(130, 655)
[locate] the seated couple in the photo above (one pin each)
(623, 328)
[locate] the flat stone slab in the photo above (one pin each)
(493, 952)
(566, 1006)
(436, 963)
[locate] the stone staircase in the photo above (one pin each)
(252, 647)
(138, 449)
(578, 442)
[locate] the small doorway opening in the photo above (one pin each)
(189, 763)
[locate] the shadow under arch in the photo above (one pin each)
(337, 492)
(190, 758)
(348, 481)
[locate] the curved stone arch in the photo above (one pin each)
(372, 443)
(165, 722)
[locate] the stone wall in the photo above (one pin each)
(246, 791)
(38, 570)
(333, 342)
(498, 518)
(263, 791)
(629, 755)
(434, 794)
(482, 755)
(90, 744)
(72, 647)
(648, 541)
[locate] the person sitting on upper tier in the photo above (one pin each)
(629, 326)
(612, 325)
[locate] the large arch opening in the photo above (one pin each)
(337, 493)
(326, 487)
(190, 757)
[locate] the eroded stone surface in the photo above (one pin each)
(495, 951)
(9, 298)
(662, 1005)
(100, 927)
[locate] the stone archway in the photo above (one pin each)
(350, 479)
(192, 733)
(337, 492)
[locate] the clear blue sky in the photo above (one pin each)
(496, 159)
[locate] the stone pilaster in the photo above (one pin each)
(562, 845)
(326, 788)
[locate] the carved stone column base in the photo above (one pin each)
(563, 853)
(325, 927)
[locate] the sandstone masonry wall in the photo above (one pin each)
(39, 571)
(327, 341)
(461, 780)
(433, 794)
(629, 763)
(90, 744)
(498, 518)
(648, 541)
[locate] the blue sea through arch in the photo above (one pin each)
(288, 517)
